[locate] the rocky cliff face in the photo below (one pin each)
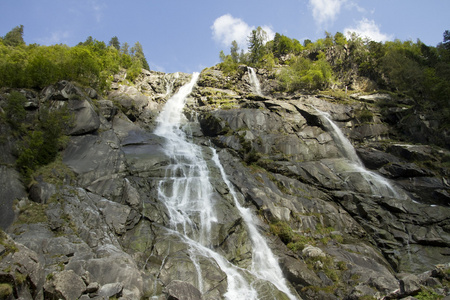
(93, 226)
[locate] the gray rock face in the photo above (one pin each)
(86, 119)
(336, 231)
(179, 290)
(10, 189)
(65, 285)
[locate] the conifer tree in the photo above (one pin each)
(138, 53)
(14, 37)
(256, 43)
(114, 42)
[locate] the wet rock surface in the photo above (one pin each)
(337, 234)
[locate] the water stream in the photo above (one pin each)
(378, 184)
(264, 263)
(187, 192)
(254, 81)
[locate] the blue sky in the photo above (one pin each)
(187, 36)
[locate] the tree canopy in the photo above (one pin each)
(91, 62)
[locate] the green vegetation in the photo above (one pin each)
(40, 136)
(427, 294)
(43, 140)
(31, 213)
(55, 172)
(405, 68)
(10, 247)
(89, 63)
(5, 290)
(296, 241)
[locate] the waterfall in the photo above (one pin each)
(254, 81)
(186, 190)
(170, 79)
(264, 263)
(378, 184)
(187, 193)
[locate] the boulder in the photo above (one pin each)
(63, 90)
(86, 119)
(107, 109)
(64, 285)
(11, 189)
(110, 290)
(98, 162)
(180, 290)
(21, 269)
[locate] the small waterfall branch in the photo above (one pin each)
(254, 81)
(379, 185)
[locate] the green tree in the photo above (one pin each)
(256, 42)
(15, 112)
(328, 42)
(282, 45)
(446, 42)
(114, 42)
(234, 51)
(14, 37)
(306, 42)
(339, 39)
(125, 48)
(138, 53)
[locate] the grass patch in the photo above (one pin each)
(55, 172)
(5, 290)
(10, 247)
(32, 213)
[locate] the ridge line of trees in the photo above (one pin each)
(91, 62)
(407, 68)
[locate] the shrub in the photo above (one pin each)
(40, 146)
(283, 230)
(5, 290)
(15, 112)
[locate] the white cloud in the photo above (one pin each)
(97, 9)
(368, 29)
(56, 37)
(325, 11)
(227, 29)
(269, 31)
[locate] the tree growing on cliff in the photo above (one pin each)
(114, 42)
(138, 53)
(234, 51)
(256, 41)
(14, 37)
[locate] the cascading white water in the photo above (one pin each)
(379, 185)
(187, 192)
(254, 81)
(170, 81)
(264, 263)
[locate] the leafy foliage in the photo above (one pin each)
(406, 68)
(89, 63)
(15, 112)
(305, 73)
(41, 142)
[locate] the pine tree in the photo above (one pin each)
(114, 42)
(138, 53)
(256, 43)
(234, 51)
(14, 37)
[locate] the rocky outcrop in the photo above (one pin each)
(102, 231)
